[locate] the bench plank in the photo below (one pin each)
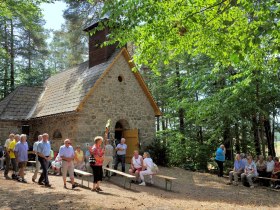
(120, 173)
(125, 175)
(84, 173)
(273, 179)
(165, 177)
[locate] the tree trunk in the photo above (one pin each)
(12, 58)
(237, 138)
(244, 148)
(181, 111)
(227, 142)
(268, 133)
(255, 130)
(158, 122)
(262, 136)
(6, 65)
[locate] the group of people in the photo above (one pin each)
(141, 166)
(67, 159)
(248, 168)
(16, 154)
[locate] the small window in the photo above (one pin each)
(120, 78)
(57, 135)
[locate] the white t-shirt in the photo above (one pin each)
(137, 162)
(269, 166)
(148, 162)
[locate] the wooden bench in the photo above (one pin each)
(83, 173)
(168, 179)
(125, 175)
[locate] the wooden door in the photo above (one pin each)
(132, 142)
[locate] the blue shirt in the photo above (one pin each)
(35, 146)
(122, 152)
(67, 152)
(21, 149)
(239, 164)
(220, 156)
(44, 148)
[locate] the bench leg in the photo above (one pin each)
(170, 184)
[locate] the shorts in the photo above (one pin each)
(136, 169)
(22, 164)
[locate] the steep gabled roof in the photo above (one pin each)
(64, 91)
(20, 103)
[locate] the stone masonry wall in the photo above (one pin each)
(118, 101)
(6, 127)
(65, 124)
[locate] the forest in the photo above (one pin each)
(212, 66)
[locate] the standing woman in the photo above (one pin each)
(98, 152)
(220, 159)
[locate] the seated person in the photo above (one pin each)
(87, 155)
(79, 159)
(147, 168)
(56, 165)
(269, 168)
(276, 173)
(261, 168)
(136, 165)
(237, 170)
(250, 171)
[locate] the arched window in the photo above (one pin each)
(57, 134)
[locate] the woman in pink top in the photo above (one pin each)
(98, 152)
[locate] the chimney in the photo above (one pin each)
(98, 54)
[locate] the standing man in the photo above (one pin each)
(121, 151)
(13, 157)
(108, 156)
(21, 153)
(1, 157)
(7, 155)
(66, 152)
(38, 165)
(44, 155)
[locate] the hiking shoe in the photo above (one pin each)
(142, 184)
(48, 185)
(235, 183)
(277, 187)
(23, 181)
(98, 189)
(74, 186)
(40, 183)
(7, 177)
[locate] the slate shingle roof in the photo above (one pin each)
(19, 105)
(64, 91)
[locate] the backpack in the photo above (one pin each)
(154, 168)
(91, 160)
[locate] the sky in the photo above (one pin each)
(53, 14)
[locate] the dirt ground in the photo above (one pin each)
(191, 190)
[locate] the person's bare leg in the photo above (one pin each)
(72, 181)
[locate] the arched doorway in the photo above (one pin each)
(122, 130)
